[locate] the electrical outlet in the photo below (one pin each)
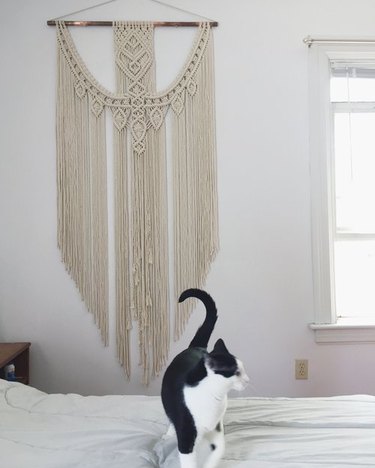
(302, 369)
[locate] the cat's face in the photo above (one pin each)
(226, 366)
(242, 379)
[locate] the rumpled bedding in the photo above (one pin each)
(39, 430)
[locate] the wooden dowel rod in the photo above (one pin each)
(110, 23)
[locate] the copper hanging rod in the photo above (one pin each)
(110, 23)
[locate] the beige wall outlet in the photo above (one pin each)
(302, 369)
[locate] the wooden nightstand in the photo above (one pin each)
(18, 354)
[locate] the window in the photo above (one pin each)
(342, 101)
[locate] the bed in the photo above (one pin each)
(39, 430)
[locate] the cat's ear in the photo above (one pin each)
(220, 347)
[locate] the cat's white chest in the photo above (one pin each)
(207, 403)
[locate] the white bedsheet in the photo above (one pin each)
(38, 430)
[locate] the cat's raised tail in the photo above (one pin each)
(204, 331)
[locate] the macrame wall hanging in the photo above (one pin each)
(141, 216)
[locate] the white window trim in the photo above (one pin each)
(326, 326)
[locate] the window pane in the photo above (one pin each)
(355, 172)
(345, 89)
(353, 180)
(339, 90)
(355, 278)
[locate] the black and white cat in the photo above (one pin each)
(195, 387)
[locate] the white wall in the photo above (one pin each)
(262, 278)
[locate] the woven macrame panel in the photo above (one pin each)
(141, 218)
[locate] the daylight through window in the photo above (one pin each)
(352, 92)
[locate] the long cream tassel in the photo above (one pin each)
(82, 192)
(123, 290)
(196, 241)
(122, 227)
(156, 269)
(143, 274)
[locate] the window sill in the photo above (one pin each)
(344, 331)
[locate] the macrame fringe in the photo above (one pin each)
(196, 240)
(140, 186)
(82, 195)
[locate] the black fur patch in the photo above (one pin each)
(186, 369)
(196, 375)
(223, 364)
(185, 430)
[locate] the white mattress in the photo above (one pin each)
(38, 430)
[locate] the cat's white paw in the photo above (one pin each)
(188, 460)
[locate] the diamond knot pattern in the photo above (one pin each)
(80, 89)
(156, 117)
(120, 118)
(192, 87)
(97, 107)
(177, 103)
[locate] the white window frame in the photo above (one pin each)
(327, 328)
